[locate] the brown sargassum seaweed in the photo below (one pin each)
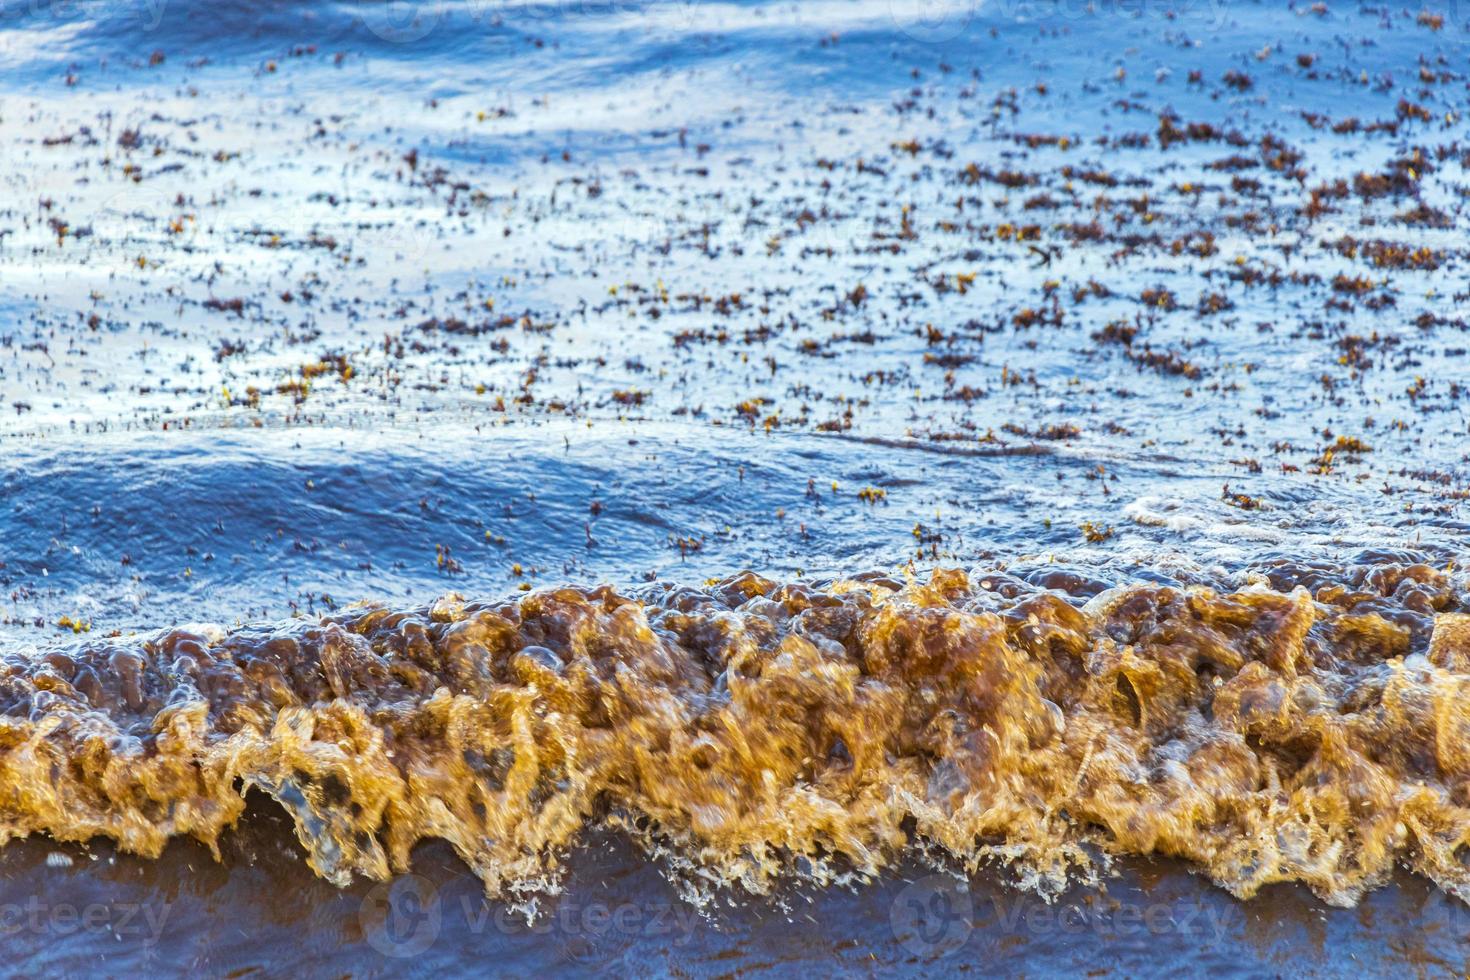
(1305, 728)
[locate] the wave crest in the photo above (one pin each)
(751, 730)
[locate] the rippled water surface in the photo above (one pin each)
(305, 305)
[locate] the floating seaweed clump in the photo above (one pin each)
(1312, 727)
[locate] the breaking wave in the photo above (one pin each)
(1312, 726)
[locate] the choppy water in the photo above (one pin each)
(305, 304)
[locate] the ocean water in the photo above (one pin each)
(328, 326)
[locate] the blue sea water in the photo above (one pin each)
(236, 204)
(304, 303)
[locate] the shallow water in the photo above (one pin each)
(303, 304)
(187, 912)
